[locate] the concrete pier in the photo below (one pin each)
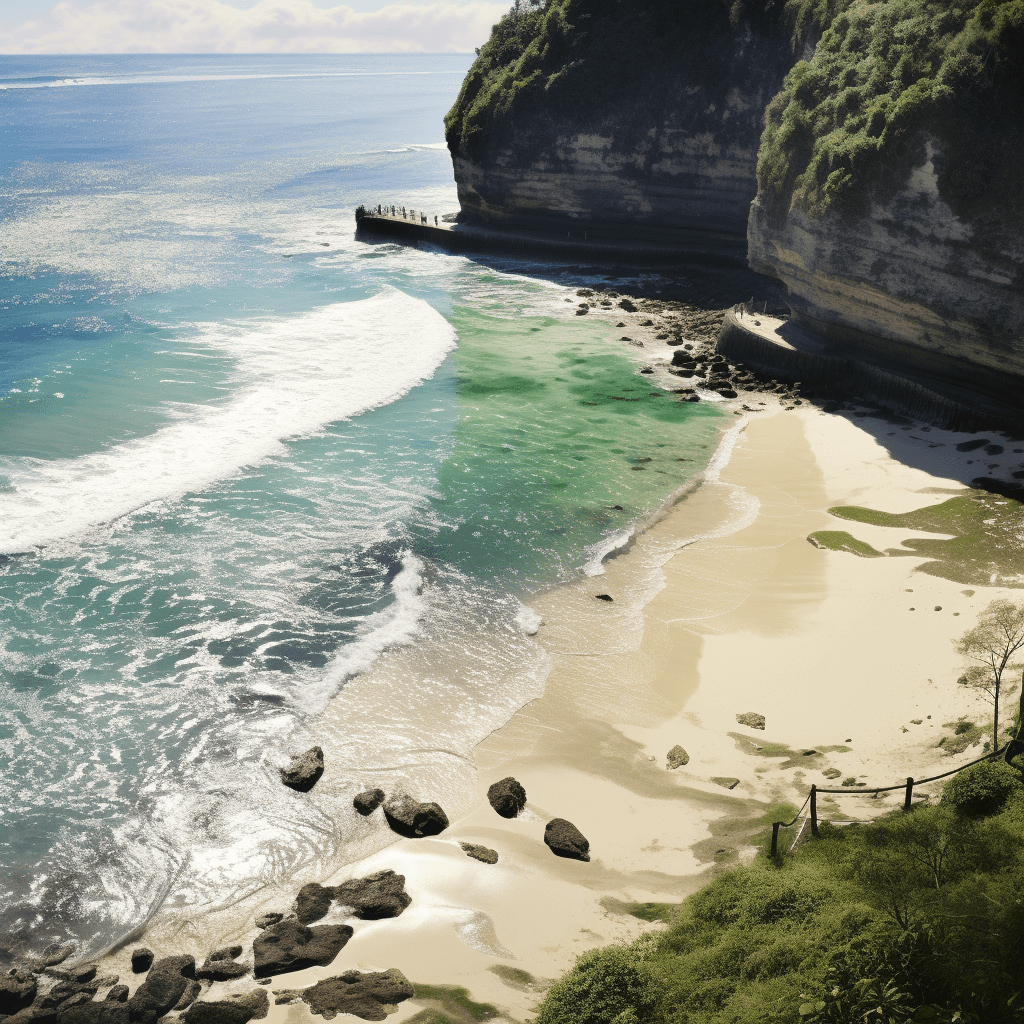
(416, 227)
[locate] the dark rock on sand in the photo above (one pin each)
(118, 994)
(677, 757)
(222, 965)
(566, 840)
(627, 305)
(363, 995)
(312, 902)
(142, 960)
(604, 597)
(412, 819)
(305, 770)
(189, 996)
(167, 980)
(507, 797)
(290, 945)
(55, 953)
(751, 719)
(379, 895)
(238, 1010)
(725, 782)
(368, 801)
(266, 920)
(17, 990)
(480, 853)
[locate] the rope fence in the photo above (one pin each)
(1008, 751)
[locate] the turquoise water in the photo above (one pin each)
(242, 457)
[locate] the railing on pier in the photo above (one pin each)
(1009, 751)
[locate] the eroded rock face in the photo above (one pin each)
(304, 771)
(239, 1009)
(413, 819)
(507, 797)
(565, 840)
(291, 946)
(639, 145)
(362, 994)
(312, 902)
(908, 287)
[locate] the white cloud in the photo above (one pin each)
(272, 26)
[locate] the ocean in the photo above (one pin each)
(256, 476)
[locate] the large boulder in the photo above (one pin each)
(312, 902)
(364, 995)
(305, 770)
(566, 840)
(17, 990)
(239, 1009)
(507, 797)
(290, 945)
(379, 895)
(164, 985)
(413, 819)
(367, 802)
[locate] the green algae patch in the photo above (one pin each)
(453, 1003)
(840, 540)
(983, 546)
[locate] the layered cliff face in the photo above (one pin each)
(639, 120)
(891, 192)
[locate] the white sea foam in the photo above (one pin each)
(295, 375)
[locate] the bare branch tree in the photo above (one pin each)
(993, 641)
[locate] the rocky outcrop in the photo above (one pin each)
(238, 1009)
(751, 719)
(142, 960)
(17, 990)
(507, 797)
(291, 946)
(377, 896)
(677, 757)
(304, 771)
(367, 995)
(222, 965)
(643, 126)
(164, 986)
(484, 854)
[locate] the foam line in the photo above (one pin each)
(295, 376)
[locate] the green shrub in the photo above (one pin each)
(606, 986)
(981, 789)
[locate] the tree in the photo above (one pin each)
(993, 641)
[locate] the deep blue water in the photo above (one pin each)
(243, 455)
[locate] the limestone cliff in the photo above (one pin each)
(641, 120)
(891, 193)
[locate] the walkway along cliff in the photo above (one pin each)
(868, 156)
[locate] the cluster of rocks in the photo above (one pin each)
(562, 837)
(408, 817)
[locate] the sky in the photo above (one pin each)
(245, 26)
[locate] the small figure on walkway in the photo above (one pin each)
(435, 220)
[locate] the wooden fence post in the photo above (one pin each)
(775, 838)
(814, 811)
(910, 793)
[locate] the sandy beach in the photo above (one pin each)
(721, 608)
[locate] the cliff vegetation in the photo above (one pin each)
(889, 83)
(915, 917)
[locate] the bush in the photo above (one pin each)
(981, 789)
(607, 985)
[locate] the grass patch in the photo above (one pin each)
(987, 537)
(653, 911)
(840, 540)
(965, 734)
(863, 917)
(517, 978)
(455, 1002)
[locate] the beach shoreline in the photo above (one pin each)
(719, 608)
